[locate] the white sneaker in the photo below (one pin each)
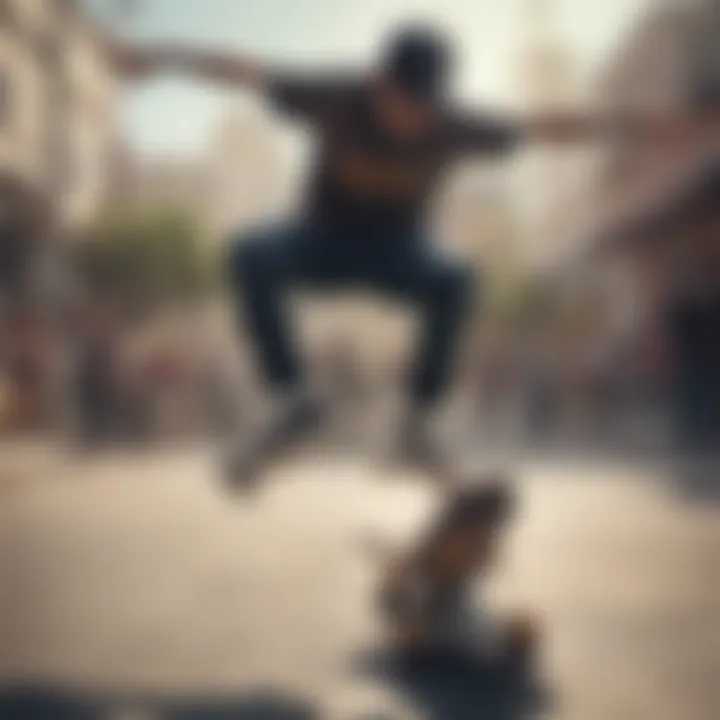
(421, 448)
(290, 422)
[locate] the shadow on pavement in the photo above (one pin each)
(453, 689)
(47, 703)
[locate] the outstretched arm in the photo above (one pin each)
(136, 62)
(304, 97)
(567, 127)
(488, 132)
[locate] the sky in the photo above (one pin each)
(171, 115)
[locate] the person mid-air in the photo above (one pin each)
(385, 139)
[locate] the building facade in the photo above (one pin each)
(651, 214)
(249, 171)
(57, 104)
(57, 95)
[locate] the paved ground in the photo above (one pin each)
(134, 581)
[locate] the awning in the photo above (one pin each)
(657, 186)
(653, 187)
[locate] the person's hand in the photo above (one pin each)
(134, 62)
(564, 127)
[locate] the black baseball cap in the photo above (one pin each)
(419, 60)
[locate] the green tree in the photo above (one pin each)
(140, 259)
(518, 300)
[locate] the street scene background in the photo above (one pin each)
(130, 586)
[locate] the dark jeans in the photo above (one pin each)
(266, 264)
(696, 401)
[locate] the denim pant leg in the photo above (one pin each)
(264, 265)
(442, 289)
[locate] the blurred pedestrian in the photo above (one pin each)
(96, 374)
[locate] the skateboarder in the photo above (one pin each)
(385, 139)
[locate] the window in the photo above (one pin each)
(6, 98)
(704, 66)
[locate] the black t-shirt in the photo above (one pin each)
(695, 327)
(365, 180)
(13, 249)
